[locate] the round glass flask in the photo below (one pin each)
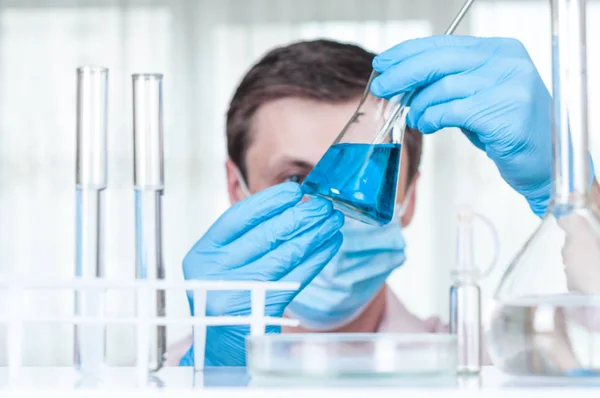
(546, 321)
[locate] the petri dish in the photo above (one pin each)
(341, 355)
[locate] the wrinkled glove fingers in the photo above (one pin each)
(311, 266)
(448, 89)
(281, 228)
(467, 114)
(279, 262)
(303, 274)
(448, 114)
(413, 47)
(425, 68)
(246, 214)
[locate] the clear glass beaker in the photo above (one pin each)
(547, 316)
(359, 172)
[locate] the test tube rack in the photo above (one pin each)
(89, 286)
(15, 319)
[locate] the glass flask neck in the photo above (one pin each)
(572, 166)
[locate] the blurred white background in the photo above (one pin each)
(203, 47)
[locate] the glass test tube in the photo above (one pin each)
(149, 185)
(570, 101)
(91, 181)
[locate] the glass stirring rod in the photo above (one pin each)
(402, 100)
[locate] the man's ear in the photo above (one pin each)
(411, 204)
(234, 187)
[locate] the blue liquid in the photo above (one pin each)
(582, 373)
(360, 179)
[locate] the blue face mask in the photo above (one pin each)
(352, 279)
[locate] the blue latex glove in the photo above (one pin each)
(269, 236)
(488, 87)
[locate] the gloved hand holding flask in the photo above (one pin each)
(269, 236)
(488, 87)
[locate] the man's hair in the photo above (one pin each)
(320, 70)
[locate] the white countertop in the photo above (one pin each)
(220, 382)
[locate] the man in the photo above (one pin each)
(285, 114)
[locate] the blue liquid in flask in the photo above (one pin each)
(360, 179)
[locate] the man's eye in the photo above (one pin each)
(294, 178)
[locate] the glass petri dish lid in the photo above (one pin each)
(338, 355)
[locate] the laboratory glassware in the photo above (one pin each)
(547, 316)
(339, 355)
(149, 186)
(359, 172)
(465, 292)
(90, 182)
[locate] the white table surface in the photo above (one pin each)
(222, 382)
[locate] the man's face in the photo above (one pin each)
(289, 136)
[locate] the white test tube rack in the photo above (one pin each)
(144, 318)
(91, 174)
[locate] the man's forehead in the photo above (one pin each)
(305, 115)
(295, 132)
(296, 123)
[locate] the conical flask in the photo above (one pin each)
(359, 172)
(546, 320)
